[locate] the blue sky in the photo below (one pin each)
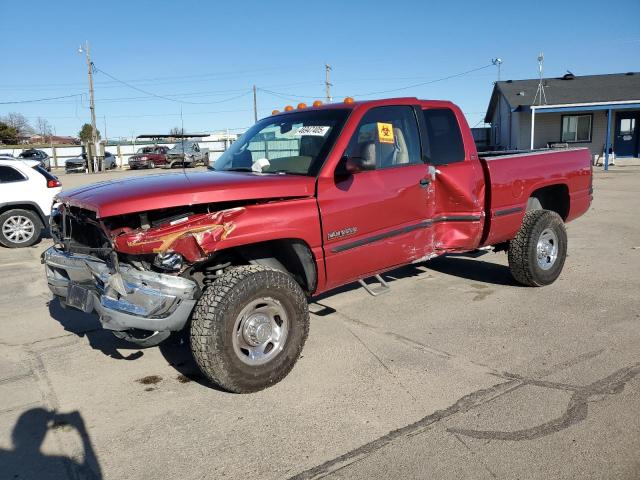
(207, 55)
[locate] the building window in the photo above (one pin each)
(576, 128)
(627, 126)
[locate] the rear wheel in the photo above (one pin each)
(19, 228)
(249, 327)
(538, 252)
(151, 165)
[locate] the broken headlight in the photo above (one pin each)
(169, 261)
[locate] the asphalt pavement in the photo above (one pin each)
(457, 373)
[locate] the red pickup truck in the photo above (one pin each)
(305, 201)
(149, 157)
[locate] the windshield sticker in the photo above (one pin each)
(385, 132)
(312, 130)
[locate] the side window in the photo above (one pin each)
(444, 141)
(10, 174)
(388, 137)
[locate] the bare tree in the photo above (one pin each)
(43, 127)
(19, 122)
(175, 131)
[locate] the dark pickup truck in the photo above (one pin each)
(304, 202)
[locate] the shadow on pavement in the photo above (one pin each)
(462, 266)
(470, 269)
(175, 349)
(26, 460)
(84, 324)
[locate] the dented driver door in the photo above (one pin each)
(378, 217)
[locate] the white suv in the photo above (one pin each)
(26, 195)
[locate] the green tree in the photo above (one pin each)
(85, 133)
(8, 134)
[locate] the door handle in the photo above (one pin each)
(424, 182)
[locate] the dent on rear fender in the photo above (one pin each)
(195, 238)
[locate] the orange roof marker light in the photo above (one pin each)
(275, 112)
(288, 108)
(348, 100)
(317, 103)
(302, 105)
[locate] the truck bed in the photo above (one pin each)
(515, 177)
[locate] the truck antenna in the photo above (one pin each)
(184, 154)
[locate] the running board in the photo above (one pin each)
(375, 291)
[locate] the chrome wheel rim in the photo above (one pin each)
(18, 229)
(260, 331)
(547, 249)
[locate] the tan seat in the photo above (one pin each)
(402, 152)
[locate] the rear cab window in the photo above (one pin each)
(443, 143)
(387, 136)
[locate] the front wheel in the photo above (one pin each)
(538, 252)
(249, 327)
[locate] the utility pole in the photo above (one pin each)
(327, 82)
(255, 105)
(92, 107)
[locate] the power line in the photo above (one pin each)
(407, 87)
(292, 96)
(168, 98)
(41, 99)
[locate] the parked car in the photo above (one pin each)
(304, 202)
(149, 157)
(187, 154)
(39, 155)
(79, 163)
(26, 196)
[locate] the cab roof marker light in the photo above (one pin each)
(317, 103)
(302, 105)
(348, 100)
(275, 112)
(288, 108)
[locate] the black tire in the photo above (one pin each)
(21, 215)
(151, 165)
(525, 265)
(214, 324)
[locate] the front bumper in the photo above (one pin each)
(138, 163)
(123, 300)
(74, 168)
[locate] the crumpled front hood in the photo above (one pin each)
(152, 192)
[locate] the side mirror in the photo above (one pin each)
(357, 164)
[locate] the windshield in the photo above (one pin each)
(178, 146)
(145, 150)
(296, 143)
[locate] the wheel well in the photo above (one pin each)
(23, 206)
(290, 255)
(553, 197)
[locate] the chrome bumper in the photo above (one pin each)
(127, 299)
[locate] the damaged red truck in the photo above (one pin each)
(304, 202)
